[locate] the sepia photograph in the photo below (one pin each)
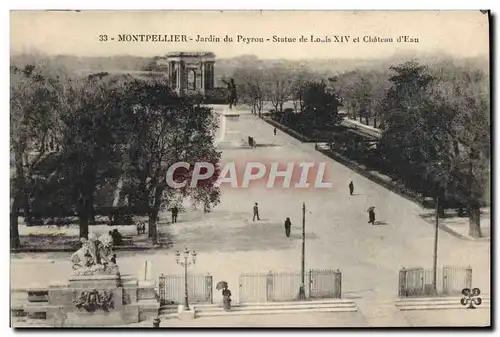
(250, 169)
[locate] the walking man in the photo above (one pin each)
(288, 225)
(175, 211)
(275, 131)
(256, 212)
(351, 188)
(371, 216)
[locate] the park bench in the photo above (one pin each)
(127, 240)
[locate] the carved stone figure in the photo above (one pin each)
(82, 258)
(93, 245)
(93, 301)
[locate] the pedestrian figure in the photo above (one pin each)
(371, 215)
(117, 237)
(175, 211)
(351, 188)
(275, 131)
(288, 226)
(250, 141)
(256, 212)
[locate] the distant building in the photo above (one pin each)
(190, 72)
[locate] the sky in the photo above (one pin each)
(457, 33)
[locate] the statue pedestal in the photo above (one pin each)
(232, 138)
(93, 281)
(93, 299)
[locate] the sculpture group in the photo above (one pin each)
(95, 255)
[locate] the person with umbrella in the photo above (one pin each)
(371, 215)
(226, 294)
(288, 226)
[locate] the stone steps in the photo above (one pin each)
(273, 311)
(208, 310)
(439, 303)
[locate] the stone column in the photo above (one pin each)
(202, 80)
(211, 75)
(206, 76)
(183, 77)
(173, 74)
(178, 78)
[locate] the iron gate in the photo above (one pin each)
(450, 280)
(325, 284)
(275, 287)
(455, 279)
(171, 288)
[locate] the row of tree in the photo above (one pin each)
(438, 133)
(71, 136)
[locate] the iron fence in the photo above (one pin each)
(171, 288)
(450, 280)
(275, 287)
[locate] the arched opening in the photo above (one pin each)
(192, 79)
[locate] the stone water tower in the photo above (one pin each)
(190, 72)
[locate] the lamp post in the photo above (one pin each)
(435, 256)
(436, 233)
(185, 264)
(302, 290)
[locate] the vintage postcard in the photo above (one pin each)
(250, 169)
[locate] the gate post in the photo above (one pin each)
(161, 288)
(338, 284)
(310, 284)
(209, 288)
(402, 292)
(446, 282)
(468, 277)
(269, 286)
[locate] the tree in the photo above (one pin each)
(92, 142)
(166, 129)
(414, 138)
(250, 81)
(438, 133)
(363, 92)
(279, 85)
(300, 81)
(34, 120)
(320, 104)
(465, 93)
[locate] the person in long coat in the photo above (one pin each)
(288, 226)
(371, 216)
(351, 188)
